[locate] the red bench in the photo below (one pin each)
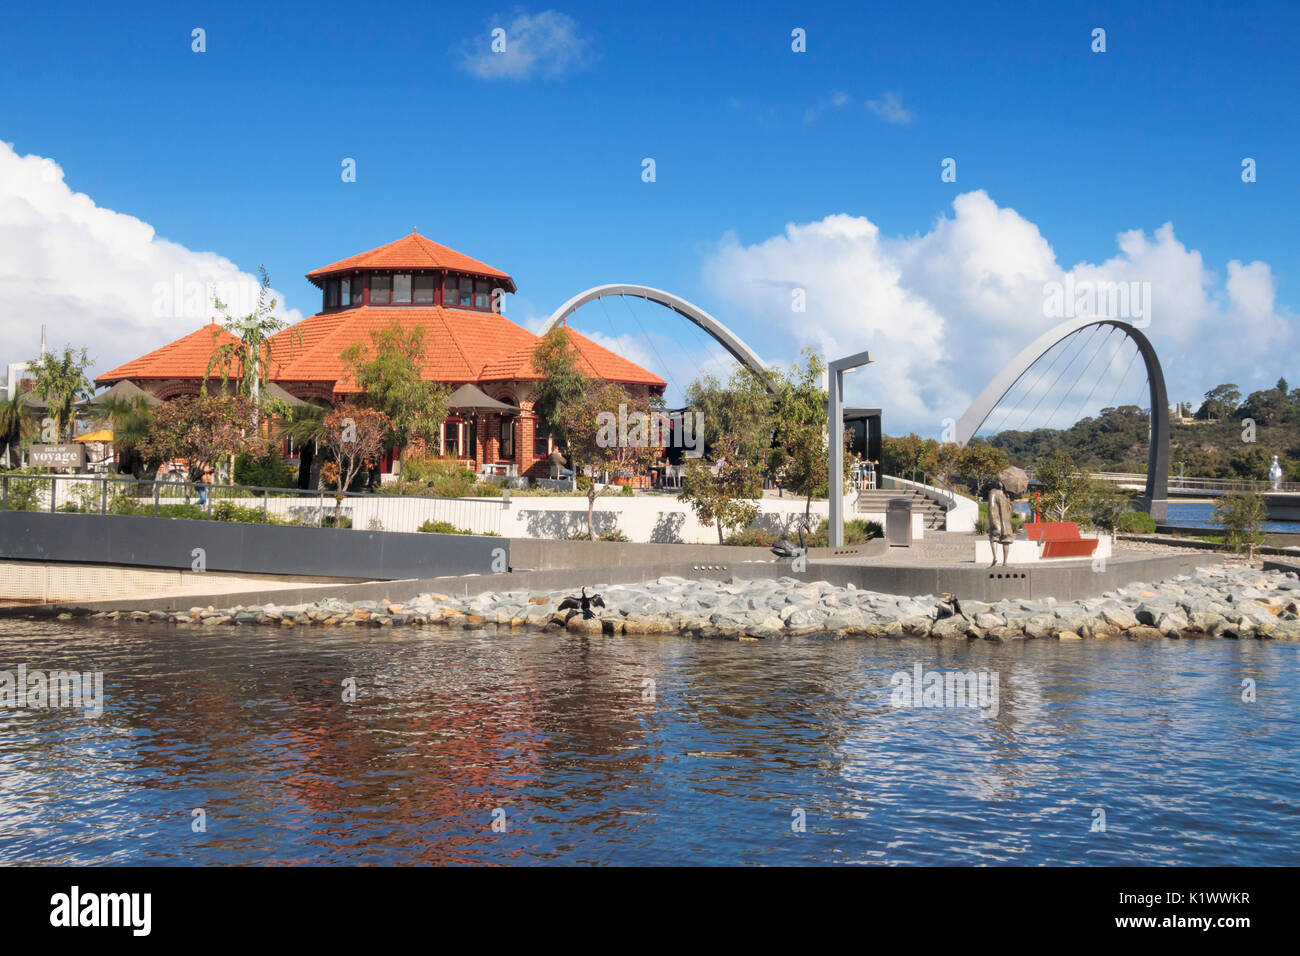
(1061, 539)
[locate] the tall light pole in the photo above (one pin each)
(835, 433)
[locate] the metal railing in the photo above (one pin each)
(1192, 483)
(947, 496)
(106, 494)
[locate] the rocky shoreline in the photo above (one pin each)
(1227, 601)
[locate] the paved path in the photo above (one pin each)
(956, 549)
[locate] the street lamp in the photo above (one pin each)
(835, 431)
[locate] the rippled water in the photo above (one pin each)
(1200, 514)
(558, 733)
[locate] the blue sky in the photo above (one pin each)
(237, 151)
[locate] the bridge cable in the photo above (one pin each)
(1136, 352)
(1059, 375)
(1109, 365)
(653, 347)
(1012, 406)
(1066, 394)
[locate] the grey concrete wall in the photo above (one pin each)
(251, 548)
(1065, 583)
(533, 554)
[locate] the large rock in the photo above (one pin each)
(1119, 617)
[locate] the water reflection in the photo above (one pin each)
(642, 750)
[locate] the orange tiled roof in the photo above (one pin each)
(460, 346)
(412, 252)
(595, 361)
(457, 342)
(187, 357)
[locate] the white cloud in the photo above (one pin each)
(837, 100)
(546, 44)
(890, 109)
(93, 276)
(944, 310)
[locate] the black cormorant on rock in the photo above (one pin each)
(948, 607)
(584, 603)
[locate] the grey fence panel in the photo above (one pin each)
(249, 548)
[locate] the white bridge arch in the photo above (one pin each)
(728, 339)
(1156, 494)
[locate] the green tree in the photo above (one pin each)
(726, 492)
(1242, 516)
(943, 460)
(1065, 489)
(203, 430)
(353, 436)
(130, 420)
(584, 425)
(249, 360)
(390, 374)
(980, 463)
(904, 454)
(16, 425)
(1220, 402)
(562, 381)
(60, 380)
(742, 408)
(800, 455)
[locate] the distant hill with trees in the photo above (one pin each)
(1226, 437)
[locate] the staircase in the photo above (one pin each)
(877, 502)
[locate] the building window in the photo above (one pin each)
(451, 439)
(332, 294)
(345, 292)
(402, 288)
(541, 440)
(507, 438)
(482, 294)
(381, 290)
(450, 292)
(423, 286)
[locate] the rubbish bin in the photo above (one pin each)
(898, 522)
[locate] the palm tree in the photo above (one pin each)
(129, 418)
(16, 424)
(306, 427)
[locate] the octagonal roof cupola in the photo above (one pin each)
(413, 253)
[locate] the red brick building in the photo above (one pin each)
(455, 299)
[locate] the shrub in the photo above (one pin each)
(440, 477)
(856, 531)
(446, 527)
(1242, 515)
(611, 535)
(268, 472)
(752, 537)
(1135, 522)
(25, 493)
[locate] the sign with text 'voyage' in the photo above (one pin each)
(69, 455)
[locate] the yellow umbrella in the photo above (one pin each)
(103, 434)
